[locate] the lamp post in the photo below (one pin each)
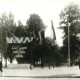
(68, 45)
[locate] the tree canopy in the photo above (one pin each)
(35, 24)
(40, 48)
(70, 16)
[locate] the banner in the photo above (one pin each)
(18, 49)
(18, 39)
(19, 55)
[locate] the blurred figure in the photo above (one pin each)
(31, 66)
(1, 66)
(42, 64)
(79, 62)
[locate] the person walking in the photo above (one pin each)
(79, 62)
(1, 66)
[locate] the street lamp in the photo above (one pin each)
(68, 45)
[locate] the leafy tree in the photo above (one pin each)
(7, 26)
(3, 22)
(70, 16)
(52, 55)
(35, 25)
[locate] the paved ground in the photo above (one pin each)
(14, 78)
(59, 72)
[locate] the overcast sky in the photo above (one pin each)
(47, 9)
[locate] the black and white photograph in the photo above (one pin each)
(39, 39)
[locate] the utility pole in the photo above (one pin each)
(68, 45)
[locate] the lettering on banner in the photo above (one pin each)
(18, 39)
(19, 55)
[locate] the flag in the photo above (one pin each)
(40, 37)
(53, 31)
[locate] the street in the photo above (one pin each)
(19, 78)
(57, 73)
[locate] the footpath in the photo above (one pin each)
(57, 72)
